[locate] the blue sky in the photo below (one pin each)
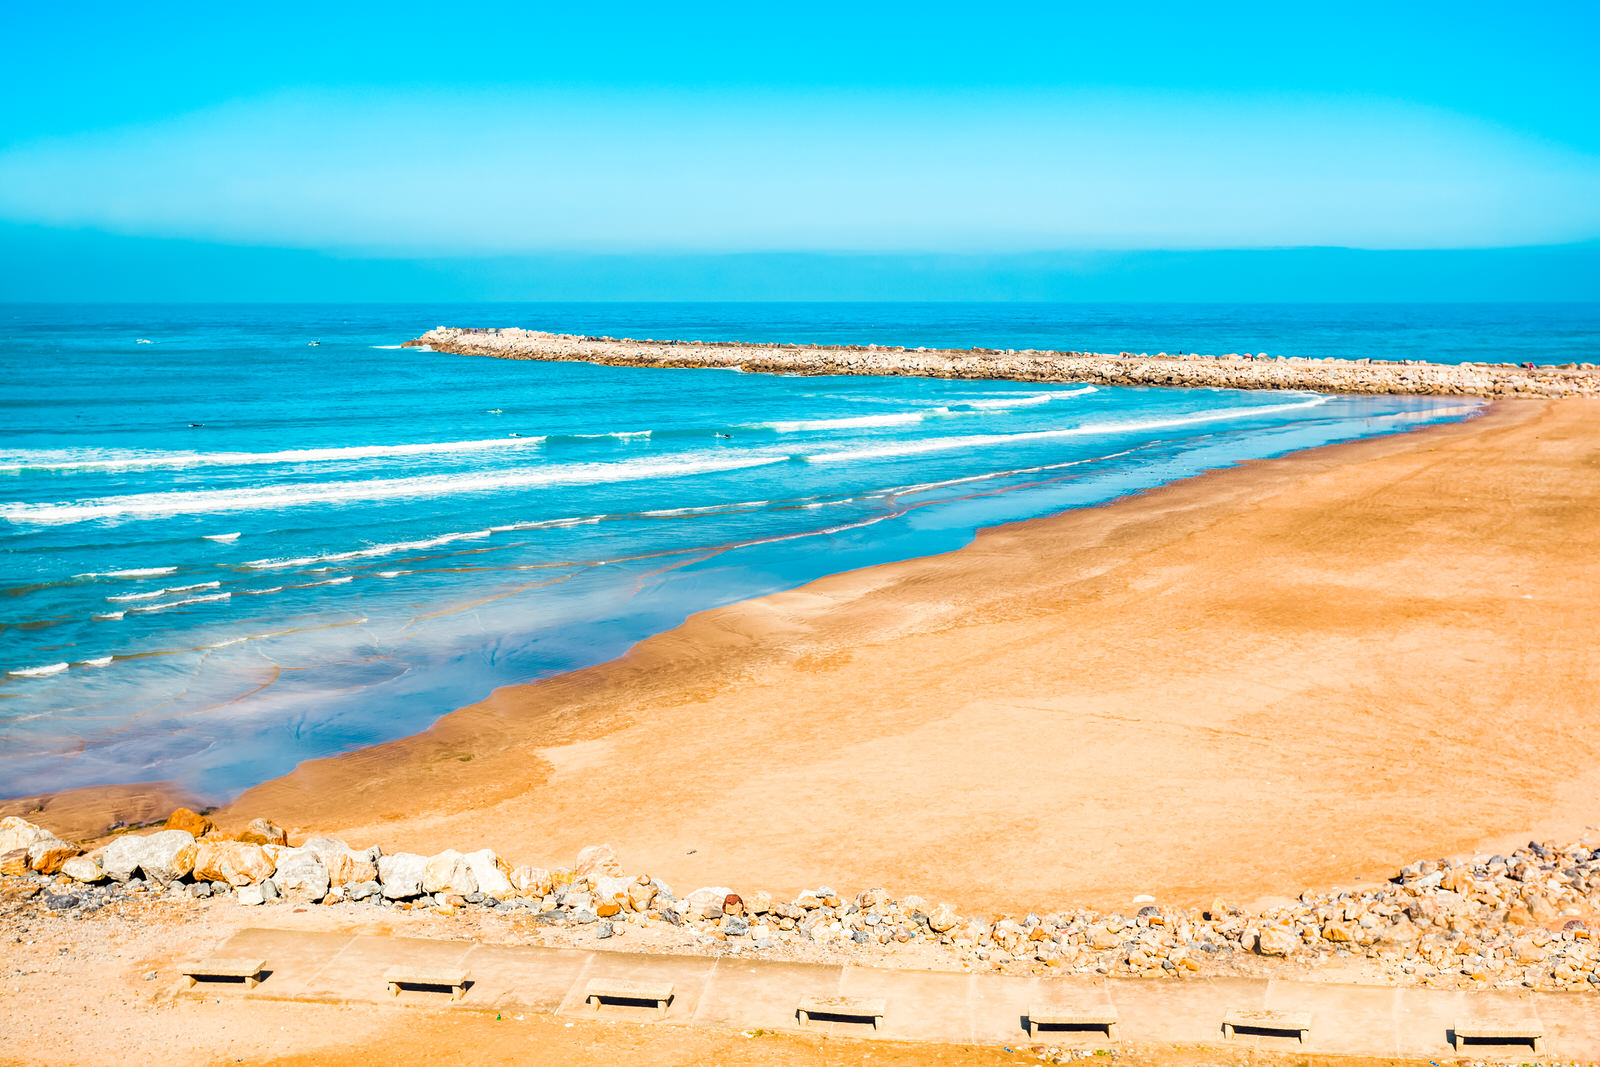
(425, 133)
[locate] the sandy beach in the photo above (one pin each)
(1295, 674)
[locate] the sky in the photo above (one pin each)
(447, 145)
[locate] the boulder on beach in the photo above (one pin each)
(184, 819)
(164, 856)
(449, 872)
(48, 854)
(401, 874)
(18, 833)
(237, 863)
(83, 869)
(597, 859)
(532, 882)
(264, 832)
(490, 873)
(301, 875)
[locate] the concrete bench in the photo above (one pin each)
(1498, 1033)
(657, 993)
(843, 1008)
(1295, 1022)
(1074, 1017)
(226, 967)
(454, 979)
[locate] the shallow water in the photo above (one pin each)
(354, 539)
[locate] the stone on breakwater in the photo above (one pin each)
(234, 862)
(164, 856)
(401, 874)
(1323, 375)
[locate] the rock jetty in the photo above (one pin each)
(1229, 371)
(1525, 919)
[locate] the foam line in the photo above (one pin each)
(942, 444)
(64, 461)
(268, 497)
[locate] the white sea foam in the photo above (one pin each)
(943, 444)
(109, 616)
(433, 485)
(998, 402)
(113, 460)
(39, 672)
(1022, 400)
(99, 661)
(181, 603)
(147, 572)
(364, 553)
(856, 422)
(223, 539)
(154, 593)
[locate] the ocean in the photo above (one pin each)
(236, 537)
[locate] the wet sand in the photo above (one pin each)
(1299, 673)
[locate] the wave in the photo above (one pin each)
(146, 572)
(99, 661)
(365, 553)
(39, 672)
(109, 616)
(162, 592)
(268, 497)
(1021, 400)
(65, 461)
(1002, 402)
(181, 603)
(222, 539)
(1093, 429)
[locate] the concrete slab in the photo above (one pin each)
(1345, 1018)
(509, 977)
(686, 974)
(922, 1005)
(738, 993)
(758, 994)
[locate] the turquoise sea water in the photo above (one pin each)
(224, 549)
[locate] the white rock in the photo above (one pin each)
(492, 882)
(83, 869)
(301, 874)
(401, 874)
(250, 895)
(163, 856)
(448, 872)
(18, 833)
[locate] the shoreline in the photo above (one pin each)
(489, 766)
(1230, 371)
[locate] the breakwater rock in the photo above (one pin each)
(1229, 371)
(1526, 919)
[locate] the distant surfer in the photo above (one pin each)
(194, 425)
(729, 436)
(516, 435)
